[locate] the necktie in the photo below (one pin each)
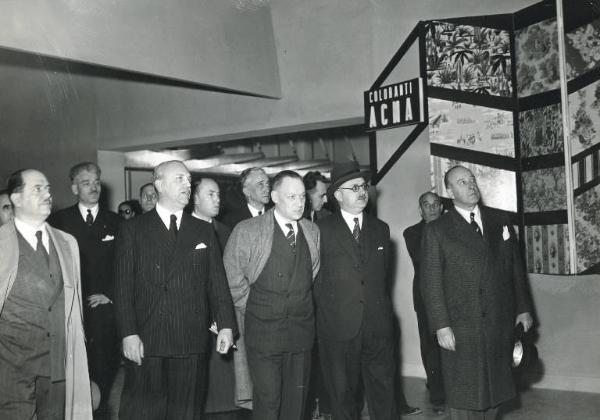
(39, 246)
(89, 219)
(356, 230)
(173, 226)
(474, 224)
(291, 236)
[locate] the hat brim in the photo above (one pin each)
(366, 175)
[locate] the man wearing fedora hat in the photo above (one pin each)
(354, 309)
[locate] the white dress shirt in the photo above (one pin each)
(165, 215)
(28, 232)
(255, 212)
(466, 214)
(83, 210)
(349, 219)
(281, 221)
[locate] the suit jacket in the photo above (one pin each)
(476, 286)
(233, 217)
(223, 233)
(96, 246)
(165, 287)
(353, 292)
(412, 237)
(246, 254)
(78, 404)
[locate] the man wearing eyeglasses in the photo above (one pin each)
(95, 229)
(354, 309)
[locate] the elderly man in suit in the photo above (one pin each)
(354, 309)
(430, 208)
(95, 229)
(256, 190)
(168, 277)
(43, 364)
(148, 197)
(271, 261)
(6, 210)
(475, 291)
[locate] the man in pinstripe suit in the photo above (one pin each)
(168, 273)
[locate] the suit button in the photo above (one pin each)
(49, 309)
(279, 275)
(483, 314)
(362, 282)
(165, 288)
(47, 334)
(362, 301)
(158, 266)
(481, 292)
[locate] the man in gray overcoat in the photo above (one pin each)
(475, 291)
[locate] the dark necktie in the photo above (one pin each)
(474, 225)
(291, 236)
(89, 219)
(39, 246)
(173, 226)
(356, 230)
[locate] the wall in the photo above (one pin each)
(215, 43)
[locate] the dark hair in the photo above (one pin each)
(311, 178)
(15, 182)
(246, 173)
(83, 166)
(278, 179)
(197, 182)
(2, 192)
(145, 185)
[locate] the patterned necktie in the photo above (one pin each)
(474, 225)
(89, 219)
(173, 226)
(40, 248)
(356, 230)
(291, 236)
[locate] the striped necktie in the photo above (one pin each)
(291, 235)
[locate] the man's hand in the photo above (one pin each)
(97, 299)
(224, 340)
(133, 348)
(445, 337)
(525, 319)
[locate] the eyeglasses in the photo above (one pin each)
(356, 188)
(126, 211)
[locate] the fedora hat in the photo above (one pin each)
(525, 353)
(346, 171)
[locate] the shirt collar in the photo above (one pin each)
(84, 210)
(165, 215)
(349, 219)
(28, 232)
(197, 216)
(466, 214)
(254, 212)
(281, 221)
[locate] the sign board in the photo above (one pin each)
(394, 105)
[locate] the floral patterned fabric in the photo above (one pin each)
(544, 190)
(541, 131)
(536, 48)
(587, 228)
(582, 48)
(584, 107)
(468, 58)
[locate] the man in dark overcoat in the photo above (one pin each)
(430, 208)
(475, 291)
(95, 229)
(168, 276)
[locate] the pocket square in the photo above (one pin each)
(108, 238)
(505, 233)
(200, 246)
(380, 248)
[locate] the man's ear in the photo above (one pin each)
(74, 189)
(338, 195)
(450, 193)
(158, 185)
(274, 196)
(15, 199)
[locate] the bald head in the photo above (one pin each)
(173, 185)
(30, 194)
(462, 187)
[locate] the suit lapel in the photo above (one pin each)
(368, 238)
(467, 232)
(66, 267)
(344, 236)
